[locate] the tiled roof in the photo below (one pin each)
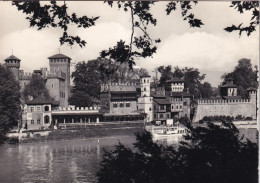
(251, 88)
(41, 100)
(154, 95)
(232, 97)
(175, 79)
(123, 92)
(162, 101)
(12, 57)
(228, 85)
(145, 75)
(179, 94)
(58, 56)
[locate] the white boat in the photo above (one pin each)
(169, 131)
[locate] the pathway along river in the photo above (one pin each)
(62, 161)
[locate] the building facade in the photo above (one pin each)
(57, 79)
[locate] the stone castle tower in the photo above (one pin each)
(13, 63)
(57, 79)
(61, 63)
(145, 101)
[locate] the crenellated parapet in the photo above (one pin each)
(57, 74)
(24, 75)
(78, 110)
(222, 101)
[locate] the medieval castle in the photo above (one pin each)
(57, 79)
(125, 101)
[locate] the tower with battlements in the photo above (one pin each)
(13, 63)
(145, 101)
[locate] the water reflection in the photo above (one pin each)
(64, 161)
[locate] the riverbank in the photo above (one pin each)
(84, 132)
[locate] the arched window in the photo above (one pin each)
(144, 80)
(46, 119)
(46, 108)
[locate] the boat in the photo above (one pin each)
(169, 131)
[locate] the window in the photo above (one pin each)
(154, 115)
(144, 89)
(161, 107)
(161, 115)
(150, 109)
(127, 104)
(46, 108)
(144, 80)
(46, 119)
(114, 105)
(154, 107)
(177, 107)
(180, 106)
(32, 121)
(121, 105)
(168, 115)
(38, 108)
(31, 109)
(172, 107)
(38, 121)
(184, 103)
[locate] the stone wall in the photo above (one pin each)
(244, 107)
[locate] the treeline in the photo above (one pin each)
(224, 118)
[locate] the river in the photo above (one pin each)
(62, 161)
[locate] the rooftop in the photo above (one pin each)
(162, 101)
(175, 79)
(179, 94)
(12, 57)
(59, 56)
(145, 75)
(41, 100)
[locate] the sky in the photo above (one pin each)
(209, 48)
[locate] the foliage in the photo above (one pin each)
(10, 111)
(88, 77)
(244, 76)
(225, 118)
(209, 154)
(81, 99)
(54, 15)
(241, 7)
(206, 90)
(36, 88)
(191, 76)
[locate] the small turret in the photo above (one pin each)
(13, 63)
(145, 85)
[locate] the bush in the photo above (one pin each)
(217, 155)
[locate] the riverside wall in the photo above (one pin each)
(244, 107)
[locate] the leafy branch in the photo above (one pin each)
(186, 6)
(139, 46)
(241, 7)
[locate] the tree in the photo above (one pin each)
(244, 76)
(10, 111)
(88, 77)
(36, 88)
(209, 154)
(191, 77)
(81, 99)
(206, 90)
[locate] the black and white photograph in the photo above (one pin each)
(129, 91)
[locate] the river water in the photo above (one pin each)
(62, 161)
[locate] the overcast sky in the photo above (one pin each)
(210, 48)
